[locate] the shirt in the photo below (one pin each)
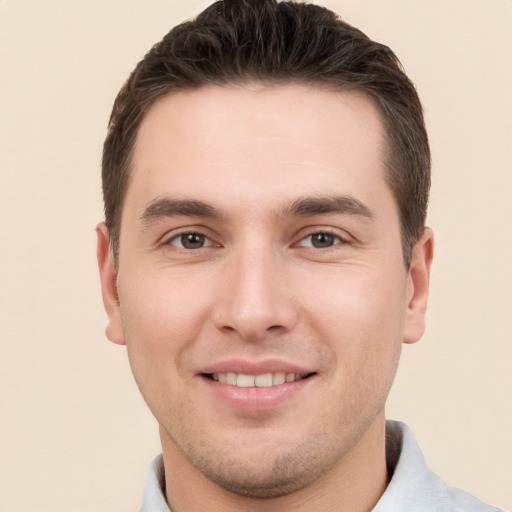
(413, 487)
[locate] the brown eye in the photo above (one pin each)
(191, 241)
(321, 240)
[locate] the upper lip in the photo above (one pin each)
(255, 367)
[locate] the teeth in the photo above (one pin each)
(279, 378)
(231, 378)
(244, 381)
(290, 377)
(264, 380)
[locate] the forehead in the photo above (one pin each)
(258, 141)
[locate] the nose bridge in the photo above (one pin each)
(255, 298)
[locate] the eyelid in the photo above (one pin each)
(169, 237)
(208, 241)
(337, 242)
(342, 236)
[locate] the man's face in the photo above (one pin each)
(262, 292)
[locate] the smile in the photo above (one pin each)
(264, 380)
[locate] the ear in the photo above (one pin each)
(418, 281)
(108, 277)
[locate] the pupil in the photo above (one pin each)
(192, 240)
(320, 240)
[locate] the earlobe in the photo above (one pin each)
(108, 277)
(418, 287)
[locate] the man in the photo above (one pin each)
(263, 258)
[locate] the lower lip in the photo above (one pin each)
(257, 399)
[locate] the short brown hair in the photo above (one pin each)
(241, 41)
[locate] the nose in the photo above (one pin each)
(255, 298)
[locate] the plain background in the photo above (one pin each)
(74, 433)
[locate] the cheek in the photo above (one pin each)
(161, 319)
(161, 308)
(360, 315)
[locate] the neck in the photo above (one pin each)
(355, 484)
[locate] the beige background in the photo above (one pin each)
(74, 433)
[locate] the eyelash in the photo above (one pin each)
(180, 237)
(336, 240)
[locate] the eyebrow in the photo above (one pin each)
(318, 205)
(164, 207)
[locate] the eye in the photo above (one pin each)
(190, 241)
(320, 240)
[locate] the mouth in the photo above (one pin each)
(263, 380)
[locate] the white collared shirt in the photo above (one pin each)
(413, 487)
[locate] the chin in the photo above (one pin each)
(286, 475)
(269, 471)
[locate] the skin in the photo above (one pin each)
(261, 292)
